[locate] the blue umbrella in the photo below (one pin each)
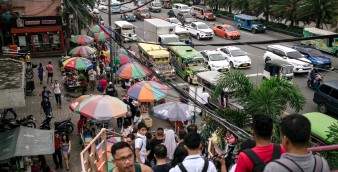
(173, 111)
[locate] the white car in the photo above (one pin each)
(215, 61)
(174, 21)
(200, 30)
(287, 54)
(95, 11)
(236, 57)
(102, 7)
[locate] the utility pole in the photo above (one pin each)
(111, 50)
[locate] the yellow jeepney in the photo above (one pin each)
(157, 58)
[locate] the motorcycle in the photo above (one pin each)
(65, 125)
(314, 84)
(8, 124)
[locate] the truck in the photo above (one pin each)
(159, 31)
(155, 6)
(157, 58)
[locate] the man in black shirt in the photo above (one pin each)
(160, 154)
(156, 141)
(111, 91)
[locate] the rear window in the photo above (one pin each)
(334, 94)
(325, 89)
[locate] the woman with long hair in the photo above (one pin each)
(66, 147)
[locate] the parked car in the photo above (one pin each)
(185, 18)
(292, 56)
(215, 61)
(155, 6)
(226, 31)
(128, 16)
(142, 13)
(95, 11)
(200, 30)
(236, 57)
(317, 58)
(326, 96)
(174, 21)
(102, 7)
(202, 12)
(248, 22)
(181, 7)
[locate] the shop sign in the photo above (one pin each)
(38, 21)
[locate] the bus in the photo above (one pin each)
(329, 45)
(187, 61)
(320, 124)
(157, 58)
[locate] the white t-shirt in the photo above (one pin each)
(92, 75)
(137, 120)
(141, 143)
(205, 97)
(194, 163)
(57, 88)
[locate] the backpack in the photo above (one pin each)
(292, 166)
(100, 87)
(259, 165)
(205, 166)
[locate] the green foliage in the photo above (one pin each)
(286, 9)
(332, 156)
(284, 27)
(261, 6)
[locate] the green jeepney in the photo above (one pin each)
(329, 45)
(187, 61)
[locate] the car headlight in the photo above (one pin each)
(134, 16)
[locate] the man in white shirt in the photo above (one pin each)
(92, 78)
(193, 162)
(57, 92)
(141, 143)
(205, 98)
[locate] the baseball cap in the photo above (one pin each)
(110, 83)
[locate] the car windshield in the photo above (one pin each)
(126, 28)
(184, 7)
(175, 20)
(315, 53)
(237, 53)
(294, 55)
(195, 62)
(287, 69)
(157, 4)
(230, 28)
(187, 15)
(216, 57)
(256, 22)
(202, 26)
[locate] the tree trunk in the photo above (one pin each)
(292, 23)
(267, 11)
(230, 9)
(318, 22)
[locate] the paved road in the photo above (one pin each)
(255, 53)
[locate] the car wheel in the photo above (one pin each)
(198, 36)
(254, 31)
(225, 36)
(232, 65)
(322, 108)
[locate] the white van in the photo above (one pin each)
(126, 29)
(181, 7)
(183, 34)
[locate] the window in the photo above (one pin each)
(334, 93)
(219, 27)
(270, 49)
(325, 89)
(224, 51)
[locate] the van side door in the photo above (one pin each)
(332, 103)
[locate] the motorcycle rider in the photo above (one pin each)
(314, 76)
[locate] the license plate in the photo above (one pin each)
(245, 65)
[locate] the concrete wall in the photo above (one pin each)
(37, 8)
(12, 98)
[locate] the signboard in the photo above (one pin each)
(36, 21)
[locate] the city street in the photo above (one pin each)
(255, 52)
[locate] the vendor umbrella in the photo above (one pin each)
(101, 107)
(121, 59)
(82, 39)
(81, 51)
(147, 91)
(132, 70)
(77, 101)
(97, 28)
(77, 63)
(125, 52)
(101, 36)
(173, 111)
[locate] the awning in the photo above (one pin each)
(24, 141)
(36, 29)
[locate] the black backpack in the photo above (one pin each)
(259, 165)
(205, 166)
(292, 166)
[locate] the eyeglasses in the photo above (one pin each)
(124, 159)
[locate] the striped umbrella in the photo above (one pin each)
(101, 36)
(121, 59)
(133, 70)
(123, 51)
(97, 28)
(101, 107)
(77, 63)
(77, 101)
(81, 51)
(147, 91)
(82, 39)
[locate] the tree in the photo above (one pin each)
(241, 5)
(261, 6)
(319, 11)
(271, 98)
(286, 9)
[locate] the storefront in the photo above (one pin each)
(39, 35)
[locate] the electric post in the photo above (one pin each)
(112, 65)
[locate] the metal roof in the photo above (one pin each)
(159, 22)
(247, 17)
(210, 76)
(319, 31)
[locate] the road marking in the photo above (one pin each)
(247, 33)
(254, 74)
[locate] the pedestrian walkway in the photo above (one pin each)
(33, 107)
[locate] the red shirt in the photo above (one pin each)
(79, 126)
(244, 163)
(104, 83)
(57, 143)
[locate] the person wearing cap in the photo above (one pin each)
(28, 59)
(111, 90)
